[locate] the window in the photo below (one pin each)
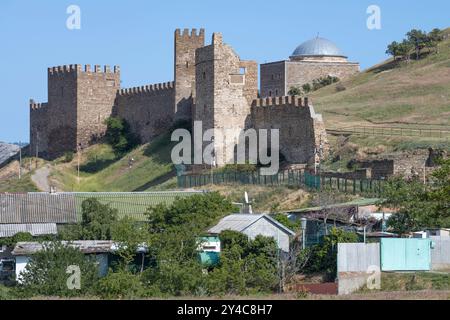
(187, 64)
(270, 93)
(204, 75)
(276, 93)
(273, 77)
(243, 70)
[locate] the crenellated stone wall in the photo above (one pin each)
(149, 109)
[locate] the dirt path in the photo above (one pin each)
(40, 178)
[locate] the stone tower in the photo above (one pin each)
(78, 103)
(186, 43)
(224, 91)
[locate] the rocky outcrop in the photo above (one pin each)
(7, 151)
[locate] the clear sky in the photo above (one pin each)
(138, 36)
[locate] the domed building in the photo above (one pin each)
(311, 60)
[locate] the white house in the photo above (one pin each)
(253, 225)
(23, 252)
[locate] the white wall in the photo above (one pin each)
(265, 228)
(21, 263)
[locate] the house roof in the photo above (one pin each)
(35, 229)
(85, 246)
(64, 208)
(240, 222)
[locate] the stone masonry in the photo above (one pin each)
(211, 84)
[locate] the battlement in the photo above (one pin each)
(77, 68)
(34, 106)
(281, 101)
(189, 35)
(148, 90)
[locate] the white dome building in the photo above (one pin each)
(313, 59)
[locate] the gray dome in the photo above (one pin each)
(318, 47)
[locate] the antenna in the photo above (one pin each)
(248, 204)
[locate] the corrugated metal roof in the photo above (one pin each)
(37, 208)
(63, 208)
(35, 229)
(132, 204)
(240, 222)
(85, 246)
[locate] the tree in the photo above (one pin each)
(393, 49)
(120, 136)
(324, 256)
(96, 224)
(404, 50)
(129, 236)
(418, 39)
(245, 265)
(47, 272)
(97, 220)
(434, 37)
(294, 91)
(417, 205)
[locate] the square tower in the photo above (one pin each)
(186, 43)
(225, 87)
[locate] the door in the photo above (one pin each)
(405, 254)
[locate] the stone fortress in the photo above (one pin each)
(211, 84)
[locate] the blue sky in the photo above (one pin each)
(138, 36)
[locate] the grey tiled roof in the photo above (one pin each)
(240, 222)
(35, 229)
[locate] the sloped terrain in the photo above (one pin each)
(403, 94)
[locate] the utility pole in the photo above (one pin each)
(37, 148)
(20, 160)
(78, 162)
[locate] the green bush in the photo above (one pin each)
(120, 136)
(68, 156)
(6, 293)
(324, 256)
(120, 285)
(47, 272)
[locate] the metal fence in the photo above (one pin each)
(295, 178)
(394, 131)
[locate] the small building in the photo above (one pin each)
(254, 225)
(443, 233)
(310, 61)
(23, 252)
(209, 250)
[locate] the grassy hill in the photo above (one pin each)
(392, 94)
(100, 170)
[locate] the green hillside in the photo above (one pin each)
(152, 169)
(392, 94)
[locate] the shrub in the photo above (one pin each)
(120, 285)
(294, 91)
(119, 136)
(68, 156)
(46, 273)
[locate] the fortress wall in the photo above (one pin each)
(149, 109)
(39, 127)
(300, 73)
(296, 124)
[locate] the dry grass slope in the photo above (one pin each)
(415, 94)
